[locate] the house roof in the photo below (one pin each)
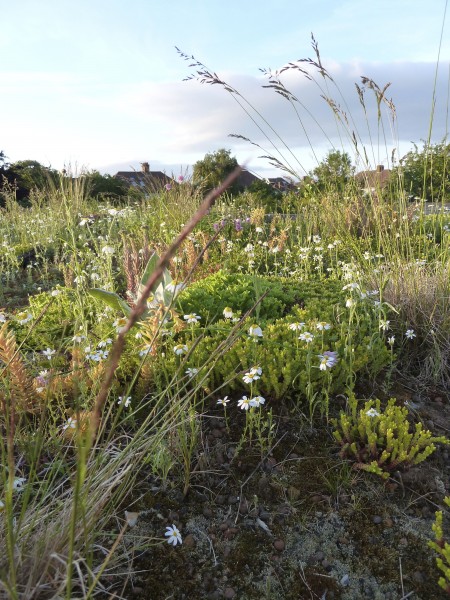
(280, 183)
(140, 179)
(374, 179)
(246, 178)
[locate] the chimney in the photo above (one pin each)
(145, 167)
(380, 168)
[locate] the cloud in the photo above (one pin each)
(198, 118)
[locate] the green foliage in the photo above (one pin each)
(334, 171)
(211, 171)
(426, 172)
(211, 295)
(290, 365)
(380, 441)
(101, 186)
(442, 548)
(162, 297)
(266, 195)
(29, 175)
(57, 321)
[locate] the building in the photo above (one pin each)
(374, 181)
(145, 179)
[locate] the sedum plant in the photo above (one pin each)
(442, 548)
(380, 441)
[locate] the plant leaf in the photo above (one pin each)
(111, 299)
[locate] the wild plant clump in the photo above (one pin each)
(380, 441)
(442, 548)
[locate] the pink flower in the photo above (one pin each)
(168, 187)
(180, 178)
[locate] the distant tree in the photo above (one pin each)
(334, 172)
(28, 175)
(214, 168)
(426, 172)
(106, 186)
(266, 194)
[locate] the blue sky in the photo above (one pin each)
(98, 84)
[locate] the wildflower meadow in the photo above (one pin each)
(207, 394)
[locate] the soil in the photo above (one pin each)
(296, 523)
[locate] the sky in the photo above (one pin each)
(99, 84)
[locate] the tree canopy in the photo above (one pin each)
(334, 171)
(425, 172)
(214, 168)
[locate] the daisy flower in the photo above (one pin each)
(173, 535)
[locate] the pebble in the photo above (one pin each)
(233, 499)
(319, 555)
(388, 522)
(229, 593)
(137, 591)
(189, 541)
(220, 499)
(327, 566)
(377, 519)
(207, 512)
(418, 577)
(279, 545)
(345, 580)
(243, 506)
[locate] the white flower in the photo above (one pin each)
(174, 287)
(306, 337)
(173, 535)
(244, 403)
(228, 312)
(349, 302)
(192, 318)
(2, 318)
(384, 325)
(316, 239)
(191, 372)
(259, 229)
(71, 424)
(180, 349)
(410, 334)
(327, 360)
(120, 323)
(145, 350)
(250, 377)
(125, 401)
(296, 326)
(321, 326)
(257, 401)
(18, 483)
(256, 369)
(109, 250)
(23, 317)
(255, 331)
(372, 413)
(55, 293)
(223, 401)
(48, 353)
(78, 338)
(391, 340)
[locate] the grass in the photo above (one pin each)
(75, 457)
